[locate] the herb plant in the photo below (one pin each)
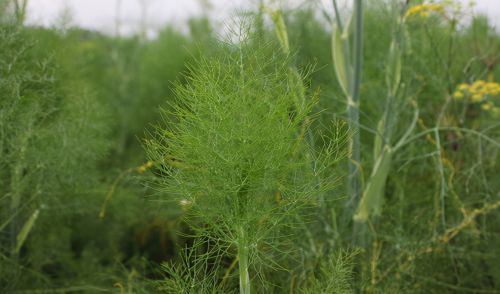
(235, 154)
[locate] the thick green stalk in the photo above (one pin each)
(370, 206)
(243, 263)
(354, 180)
(348, 67)
(337, 15)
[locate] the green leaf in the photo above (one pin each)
(340, 62)
(23, 234)
(373, 195)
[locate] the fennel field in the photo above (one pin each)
(299, 151)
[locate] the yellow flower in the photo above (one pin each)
(463, 87)
(492, 88)
(478, 90)
(487, 106)
(458, 95)
(424, 10)
(477, 98)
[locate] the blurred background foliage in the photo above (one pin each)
(78, 214)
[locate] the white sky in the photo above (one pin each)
(101, 14)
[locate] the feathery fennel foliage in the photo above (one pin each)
(50, 141)
(234, 156)
(242, 159)
(197, 271)
(334, 274)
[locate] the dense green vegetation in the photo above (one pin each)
(192, 163)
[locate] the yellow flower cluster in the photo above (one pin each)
(424, 10)
(478, 93)
(477, 90)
